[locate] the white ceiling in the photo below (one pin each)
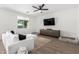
(28, 9)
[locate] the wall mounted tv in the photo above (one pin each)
(48, 22)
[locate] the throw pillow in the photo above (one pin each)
(22, 37)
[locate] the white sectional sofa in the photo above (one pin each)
(12, 43)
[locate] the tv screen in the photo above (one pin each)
(50, 21)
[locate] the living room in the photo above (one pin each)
(65, 17)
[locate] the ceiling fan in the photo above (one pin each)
(39, 8)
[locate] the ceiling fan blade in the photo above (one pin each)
(35, 10)
(35, 7)
(42, 5)
(44, 9)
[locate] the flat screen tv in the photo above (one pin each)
(50, 21)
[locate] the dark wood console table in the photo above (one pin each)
(50, 32)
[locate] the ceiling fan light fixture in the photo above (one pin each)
(39, 8)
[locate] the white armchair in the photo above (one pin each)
(11, 42)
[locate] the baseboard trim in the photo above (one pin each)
(72, 38)
(69, 39)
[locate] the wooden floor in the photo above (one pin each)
(50, 45)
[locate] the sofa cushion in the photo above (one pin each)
(11, 37)
(15, 38)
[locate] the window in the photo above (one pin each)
(22, 22)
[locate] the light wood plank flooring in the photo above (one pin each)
(50, 45)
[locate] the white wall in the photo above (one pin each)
(78, 23)
(8, 21)
(66, 21)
